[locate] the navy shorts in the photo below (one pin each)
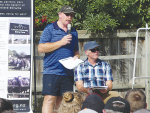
(56, 85)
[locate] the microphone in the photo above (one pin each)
(69, 28)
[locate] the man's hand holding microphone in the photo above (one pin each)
(67, 39)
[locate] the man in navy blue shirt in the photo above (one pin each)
(57, 44)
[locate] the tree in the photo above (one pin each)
(96, 15)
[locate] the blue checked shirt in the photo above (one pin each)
(93, 75)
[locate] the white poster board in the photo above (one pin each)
(16, 42)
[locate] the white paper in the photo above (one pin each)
(99, 87)
(70, 63)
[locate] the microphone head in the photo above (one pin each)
(69, 26)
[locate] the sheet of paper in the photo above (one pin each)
(70, 63)
(99, 87)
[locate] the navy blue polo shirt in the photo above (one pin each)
(53, 33)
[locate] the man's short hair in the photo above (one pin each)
(142, 111)
(136, 99)
(117, 104)
(111, 111)
(6, 106)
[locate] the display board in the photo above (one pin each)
(16, 42)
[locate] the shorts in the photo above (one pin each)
(56, 85)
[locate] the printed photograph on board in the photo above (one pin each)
(19, 31)
(18, 87)
(19, 58)
(20, 39)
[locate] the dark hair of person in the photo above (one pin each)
(5, 105)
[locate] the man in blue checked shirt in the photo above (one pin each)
(94, 72)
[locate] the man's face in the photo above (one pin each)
(93, 53)
(66, 18)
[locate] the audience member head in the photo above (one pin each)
(117, 105)
(87, 110)
(71, 102)
(6, 106)
(136, 99)
(142, 111)
(93, 101)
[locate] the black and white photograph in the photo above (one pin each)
(18, 87)
(19, 26)
(19, 58)
(20, 39)
(19, 31)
